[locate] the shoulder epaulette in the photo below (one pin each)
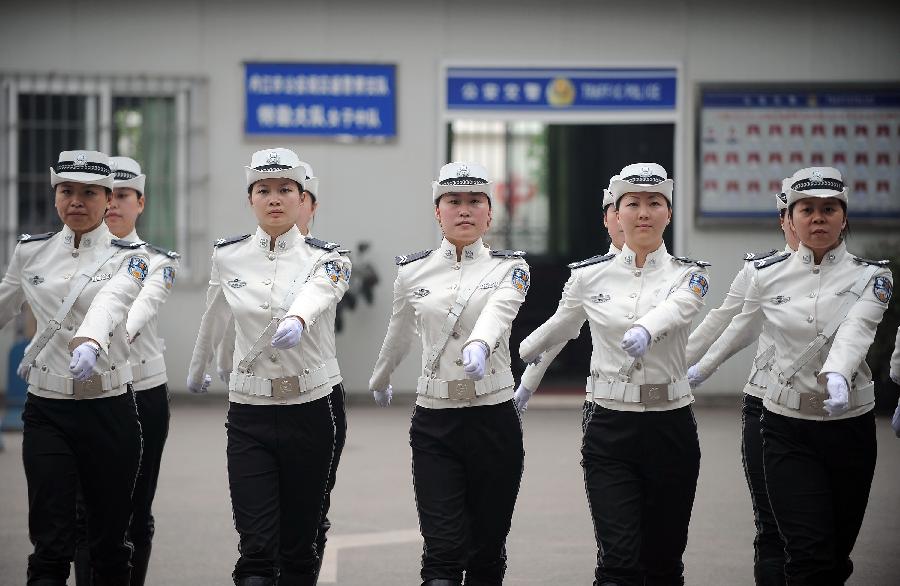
(230, 240)
(405, 259)
(508, 253)
(759, 255)
(874, 263)
(321, 243)
(35, 237)
(691, 261)
(761, 264)
(344, 251)
(591, 261)
(129, 244)
(161, 250)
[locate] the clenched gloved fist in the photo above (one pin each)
(695, 378)
(474, 356)
(838, 393)
(636, 341)
(84, 357)
(224, 375)
(895, 421)
(22, 371)
(288, 333)
(199, 387)
(521, 398)
(383, 398)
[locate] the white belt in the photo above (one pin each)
(464, 389)
(812, 403)
(147, 368)
(647, 394)
(279, 388)
(759, 378)
(95, 386)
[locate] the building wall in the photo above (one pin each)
(380, 192)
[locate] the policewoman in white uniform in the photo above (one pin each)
(534, 372)
(821, 305)
(895, 376)
(80, 420)
(324, 337)
(768, 561)
(277, 285)
(466, 436)
(148, 366)
(640, 452)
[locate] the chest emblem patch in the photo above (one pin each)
(521, 280)
(137, 268)
(36, 280)
(333, 270)
(236, 283)
(600, 298)
(883, 289)
(780, 299)
(169, 277)
(421, 292)
(699, 285)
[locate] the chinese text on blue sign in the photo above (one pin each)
(561, 89)
(320, 99)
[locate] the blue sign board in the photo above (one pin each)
(561, 89)
(312, 99)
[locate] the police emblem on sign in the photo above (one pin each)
(137, 268)
(883, 289)
(699, 285)
(333, 270)
(169, 277)
(520, 280)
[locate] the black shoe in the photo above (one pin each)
(82, 566)
(441, 582)
(140, 559)
(255, 581)
(287, 579)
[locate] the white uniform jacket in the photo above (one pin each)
(613, 295)
(249, 282)
(323, 334)
(426, 288)
(534, 373)
(41, 272)
(795, 299)
(148, 366)
(716, 321)
(895, 357)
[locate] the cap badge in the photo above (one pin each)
(816, 175)
(645, 171)
(80, 160)
(463, 171)
(273, 158)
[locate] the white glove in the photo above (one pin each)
(288, 333)
(383, 398)
(635, 341)
(474, 356)
(84, 357)
(199, 387)
(895, 421)
(838, 393)
(224, 375)
(695, 379)
(22, 371)
(895, 376)
(521, 398)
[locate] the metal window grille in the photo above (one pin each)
(158, 121)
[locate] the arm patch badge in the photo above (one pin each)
(137, 268)
(169, 277)
(521, 280)
(883, 289)
(345, 274)
(699, 285)
(333, 270)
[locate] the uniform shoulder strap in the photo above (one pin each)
(508, 253)
(750, 256)
(874, 263)
(322, 243)
(591, 261)
(35, 237)
(163, 251)
(767, 262)
(230, 240)
(129, 244)
(691, 261)
(405, 259)
(344, 251)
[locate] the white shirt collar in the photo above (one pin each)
(653, 260)
(833, 256)
(284, 242)
(470, 253)
(99, 234)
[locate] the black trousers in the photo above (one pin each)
(340, 438)
(279, 458)
(768, 558)
(640, 473)
(96, 442)
(467, 467)
(818, 474)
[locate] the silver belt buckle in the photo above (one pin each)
(461, 389)
(286, 387)
(654, 394)
(812, 404)
(88, 389)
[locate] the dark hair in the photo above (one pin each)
(844, 233)
(299, 187)
(668, 203)
(106, 189)
(438, 200)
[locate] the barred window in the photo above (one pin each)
(155, 120)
